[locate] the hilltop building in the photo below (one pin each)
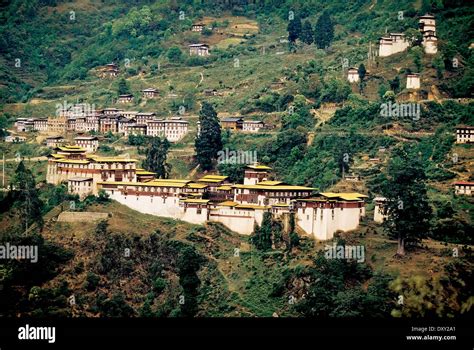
(210, 198)
(392, 44)
(397, 42)
(428, 29)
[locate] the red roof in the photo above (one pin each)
(464, 183)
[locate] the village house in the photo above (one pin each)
(464, 188)
(352, 177)
(150, 93)
(89, 143)
(144, 117)
(123, 123)
(15, 139)
(126, 98)
(197, 27)
(20, 124)
(173, 129)
(110, 70)
(57, 125)
(111, 111)
(108, 123)
(199, 50)
(135, 129)
(464, 134)
(40, 124)
(252, 126)
(71, 124)
(91, 123)
(353, 75)
(24, 125)
(232, 123)
(54, 141)
(128, 114)
(413, 81)
(210, 92)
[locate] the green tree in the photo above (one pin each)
(294, 29)
(395, 84)
(324, 31)
(417, 54)
(414, 36)
(438, 64)
(262, 236)
(123, 87)
(362, 71)
(174, 54)
(209, 142)
(27, 198)
(407, 209)
(156, 156)
(307, 33)
(188, 263)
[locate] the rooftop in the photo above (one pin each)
(258, 167)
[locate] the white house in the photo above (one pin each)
(413, 81)
(392, 44)
(378, 209)
(465, 134)
(252, 125)
(199, 50)
(353, 75)
(464, 188)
